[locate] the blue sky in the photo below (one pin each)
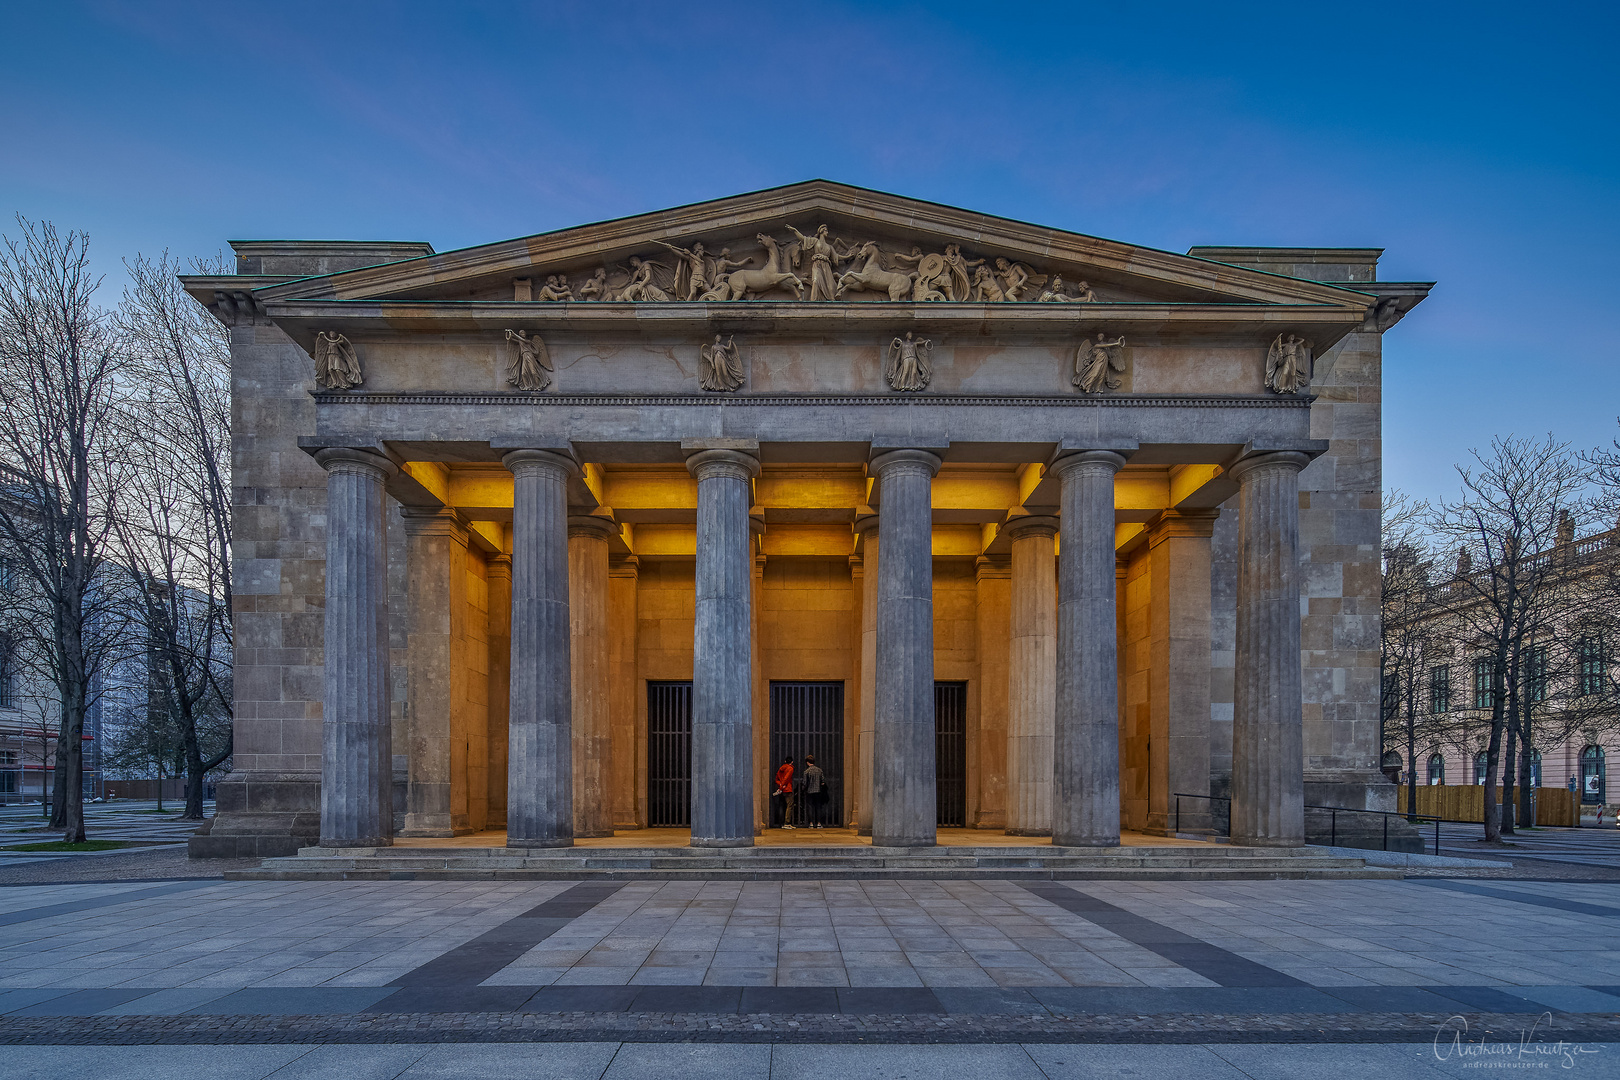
(1476, 143)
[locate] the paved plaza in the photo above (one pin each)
(595, 978)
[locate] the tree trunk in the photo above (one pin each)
(1509, 762)
(160, 783)
(1493, 752)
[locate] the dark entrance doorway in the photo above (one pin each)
(950, 753)
(669, 755)
(808, 718)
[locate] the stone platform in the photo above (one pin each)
(837, 854)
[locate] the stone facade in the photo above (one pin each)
(888, 470)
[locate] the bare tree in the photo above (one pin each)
(60, 366)
(1505, 526)
(1406, 630)
(175, 530)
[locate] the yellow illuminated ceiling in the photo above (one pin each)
(807, 511)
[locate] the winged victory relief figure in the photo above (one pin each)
(530, 367)
(1097, 364)
(908, 367)
(336, 365)
(721, 369)
(1288, 364)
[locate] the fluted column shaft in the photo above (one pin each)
(1268, 771)
(1085, 795)
(1032, 677)
(588, 652)
(904, 807)
(722, 654)
(357, 764)
(867, 732)
(540, 777)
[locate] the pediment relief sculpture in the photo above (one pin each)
(1288, 364)
(530, 366)
(721, 368)
(337, 367)
(1097, 364)
(909, 367)
(816, 267)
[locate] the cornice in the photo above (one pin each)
(732, 401)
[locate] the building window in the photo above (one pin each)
(8, 575)
(1535, 768)
(1481, 760)
(1592, 778)
(1484, 680)
(1535, 673)
(1591, 669)
(6, 676)
(1439, 689)
(1437, 770)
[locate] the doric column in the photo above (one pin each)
(1085, 751)
(436, 572)
(904, 809)
(357, 765)
(867, 528)
(540, 771)
(1179, 695)
(1268, 772)
(722, 656)
(500, 682)
(1032, 676)
(588, 541)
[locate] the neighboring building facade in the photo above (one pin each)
(1012, 528)
(1568, 681)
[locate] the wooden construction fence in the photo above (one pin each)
(1466, 802)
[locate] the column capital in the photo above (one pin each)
(905, 460)
(354, 459)
(521, 462)
(866, 520)
(1167, 524)
(434, 521)
(1032, 525)
(499, 565)
(1066, 460)
(723, 462)
(592, 527)
(1292, 460)
(628, 567)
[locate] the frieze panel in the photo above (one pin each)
(816, 266)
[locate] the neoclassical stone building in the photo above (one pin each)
(1014, 529)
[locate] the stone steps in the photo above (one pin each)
(786, 864)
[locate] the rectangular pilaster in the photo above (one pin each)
(1178, 740)
(436, 571)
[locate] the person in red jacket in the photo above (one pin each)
(784, 790)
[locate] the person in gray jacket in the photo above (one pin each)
(815, 791)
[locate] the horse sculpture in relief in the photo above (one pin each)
(872, 277)
(745, 284)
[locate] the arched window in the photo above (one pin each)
(1592, 779)
(1481, 759)
(1437, 770)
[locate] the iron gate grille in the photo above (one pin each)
(669, 755)
(808, 718)
(950, 753)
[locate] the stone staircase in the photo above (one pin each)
(1213, 862)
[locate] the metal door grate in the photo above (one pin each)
(669, 755)
(950, 753)
(808, 718)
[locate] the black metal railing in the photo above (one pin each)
(1333, 818)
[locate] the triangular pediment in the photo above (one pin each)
(878, 247)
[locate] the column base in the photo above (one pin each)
(356, 841)
(564, 841)
(905, 841)
(592, 835)
(261, 816)
(427, 825)
(721, 841)
(1099, 841)
(1169, 825)
(1028, 832)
